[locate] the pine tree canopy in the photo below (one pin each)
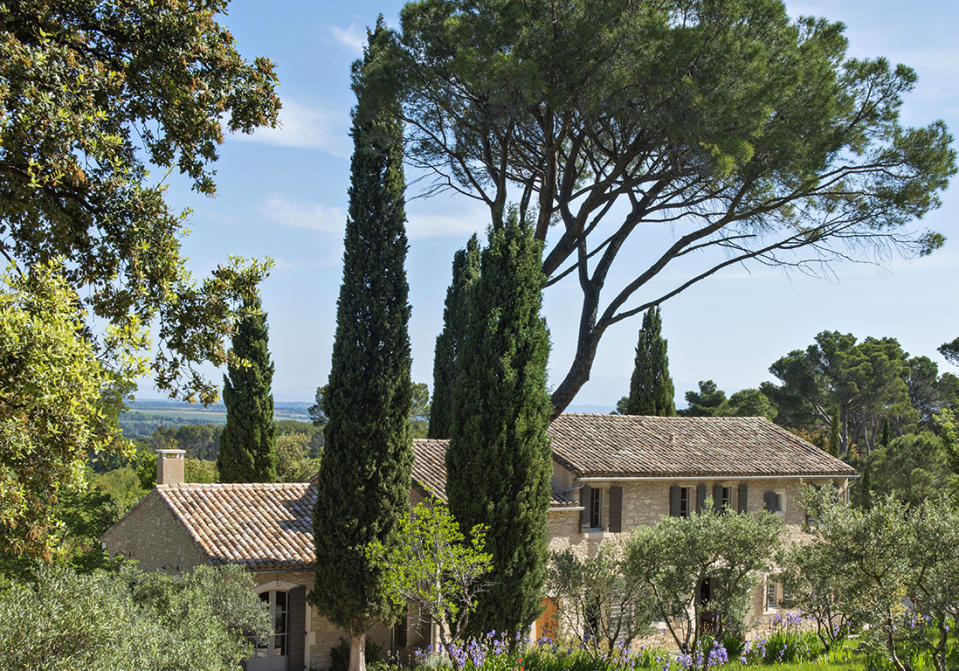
(450, 340)
(248, 442)
(364, 478)
(651, 388)
(498, 462)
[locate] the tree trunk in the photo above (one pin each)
(358, 651)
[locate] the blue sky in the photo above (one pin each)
(282, 193)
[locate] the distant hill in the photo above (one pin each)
(144, 416)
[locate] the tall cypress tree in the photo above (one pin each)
(248, 442)
(498, 461)
(364, 479)
(651, 389)
(449, 342)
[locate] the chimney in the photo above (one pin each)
(170, 467)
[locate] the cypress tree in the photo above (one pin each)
(884, 436)
(248, 442)
(364, 479)
(834, 433)
(450, 340)
(498, 462)
(651, 389)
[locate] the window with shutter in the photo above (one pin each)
(596, 508)
(584, 501)
(296, 605)
(773, 501)
(674, 500)
(700, 497)
(684, 502)
(615, 524)
(742, 505)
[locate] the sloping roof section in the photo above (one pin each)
(269, 526)
(640, 446)
(429, 472)
(257, 525)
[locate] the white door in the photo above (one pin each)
(272, 654)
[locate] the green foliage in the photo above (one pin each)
(672, 559)
(317, 410)
(52, 416)
(914, 468)
(194, 470)
(786, 142)
(950, 351)
(420, 409)
(435, 567)
(340, 656)
(121, 484)
(809, 586)
(364, 476)
(200, 441)
(834, 432)
(452, 339)
(92, 94)
(599, 596)
(294, 462)
(65, 620)
(499, 457)
(867, 380)
(709, 401)
(752, 403)
(882, 556)
(651, 388)
(248, 442)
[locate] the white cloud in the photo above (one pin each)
(332, 219)
(307, 127)
(351, 37)
(322, 218)
(421, 225)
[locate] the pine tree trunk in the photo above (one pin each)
(358, 651)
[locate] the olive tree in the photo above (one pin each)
(675, 558)
(895, 570)
(599, 597)
(131, 620)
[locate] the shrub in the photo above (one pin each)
(130, 620)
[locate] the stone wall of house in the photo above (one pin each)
(321, 635)
(647, 502)
(152, 535)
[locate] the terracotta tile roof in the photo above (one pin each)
(429, 472)
(267, 526)
(257, 525)
(632, 445)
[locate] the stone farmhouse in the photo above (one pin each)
(611, 474)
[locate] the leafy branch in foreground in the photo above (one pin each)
(436, 567)
(92, 95)
(52, 407)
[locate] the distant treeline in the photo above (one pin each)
(145, 417)
(143, 424)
